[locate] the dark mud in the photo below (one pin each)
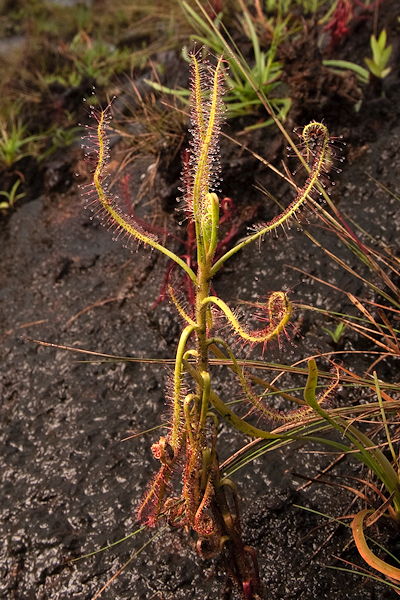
(69, 485)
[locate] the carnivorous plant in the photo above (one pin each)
(188, 489)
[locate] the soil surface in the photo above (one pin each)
(69, 484)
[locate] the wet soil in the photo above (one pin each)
(69, 484)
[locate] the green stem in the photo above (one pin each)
(177, 410)
(254, 432)
(205, 399)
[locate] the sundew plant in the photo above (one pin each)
(188, 489)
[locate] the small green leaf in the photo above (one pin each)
(361, 73)
(336, 333)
